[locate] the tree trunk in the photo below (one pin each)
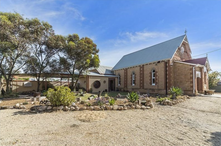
(72, 82)
(38, 84)
(7, 85)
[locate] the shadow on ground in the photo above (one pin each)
(215, 138)
(24, 113)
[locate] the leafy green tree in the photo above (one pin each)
(44, 46)
(14, 44)
(78, 56)
(214, 78)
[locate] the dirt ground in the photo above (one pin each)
(197, 121)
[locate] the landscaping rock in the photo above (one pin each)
(115, 107)
(66, 108)
(109, 107)
(137, 106)
(73, 104)
(83, 108)
(72, 108)
(17, 105)
(76, 108)
(91, 108)
(151, 105)
(132, 107)
(120, 107)
(97, 108)
(22, 107)
(125, 108)
(49, 107)
(143, 107)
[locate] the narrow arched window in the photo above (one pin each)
(153, 77)
(133, 79)
(119, 80)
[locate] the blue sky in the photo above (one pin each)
(119, 27)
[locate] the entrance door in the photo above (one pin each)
(111, 84)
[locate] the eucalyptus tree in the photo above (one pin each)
(78, 56)
(44, 47)
(14, 44)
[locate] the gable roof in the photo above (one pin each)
(161, 51)
(201, 61)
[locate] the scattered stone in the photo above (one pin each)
(17, 105)
(125, 108)
(72, 108)
(32, 102)
(76, 108)
(91, 108)
(143, 107)
(97, 108)
(49, 107)
(0, 101)
(83, 108)
(132, 107)
(137, 106)
(22, 107)
(151, 105)
(66, 108)
(120, 107)
(73, 104)
(109, 107)
(115, 107)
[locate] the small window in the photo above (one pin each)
(153, 77)
(97, 84)
(133, 79)
(119, 80)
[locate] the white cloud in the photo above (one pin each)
(144, 35)
(36, 8)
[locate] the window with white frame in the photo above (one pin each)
(133, 79)
(153, 77)
(119, 80)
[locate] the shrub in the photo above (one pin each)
(112, 101)
(175, 91)
(60, 96)
(132, 97)
(162, 99)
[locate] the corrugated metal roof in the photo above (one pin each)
(161, 51)
(105, 70)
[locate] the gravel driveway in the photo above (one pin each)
(196, 121)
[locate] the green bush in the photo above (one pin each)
(112, 101)
(162, 99)
(175, 91)
(60, 96)
(132, 97)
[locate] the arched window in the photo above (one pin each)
(153, 77)
(119, 80)
(133, 79)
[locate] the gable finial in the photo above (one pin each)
(185, 31)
